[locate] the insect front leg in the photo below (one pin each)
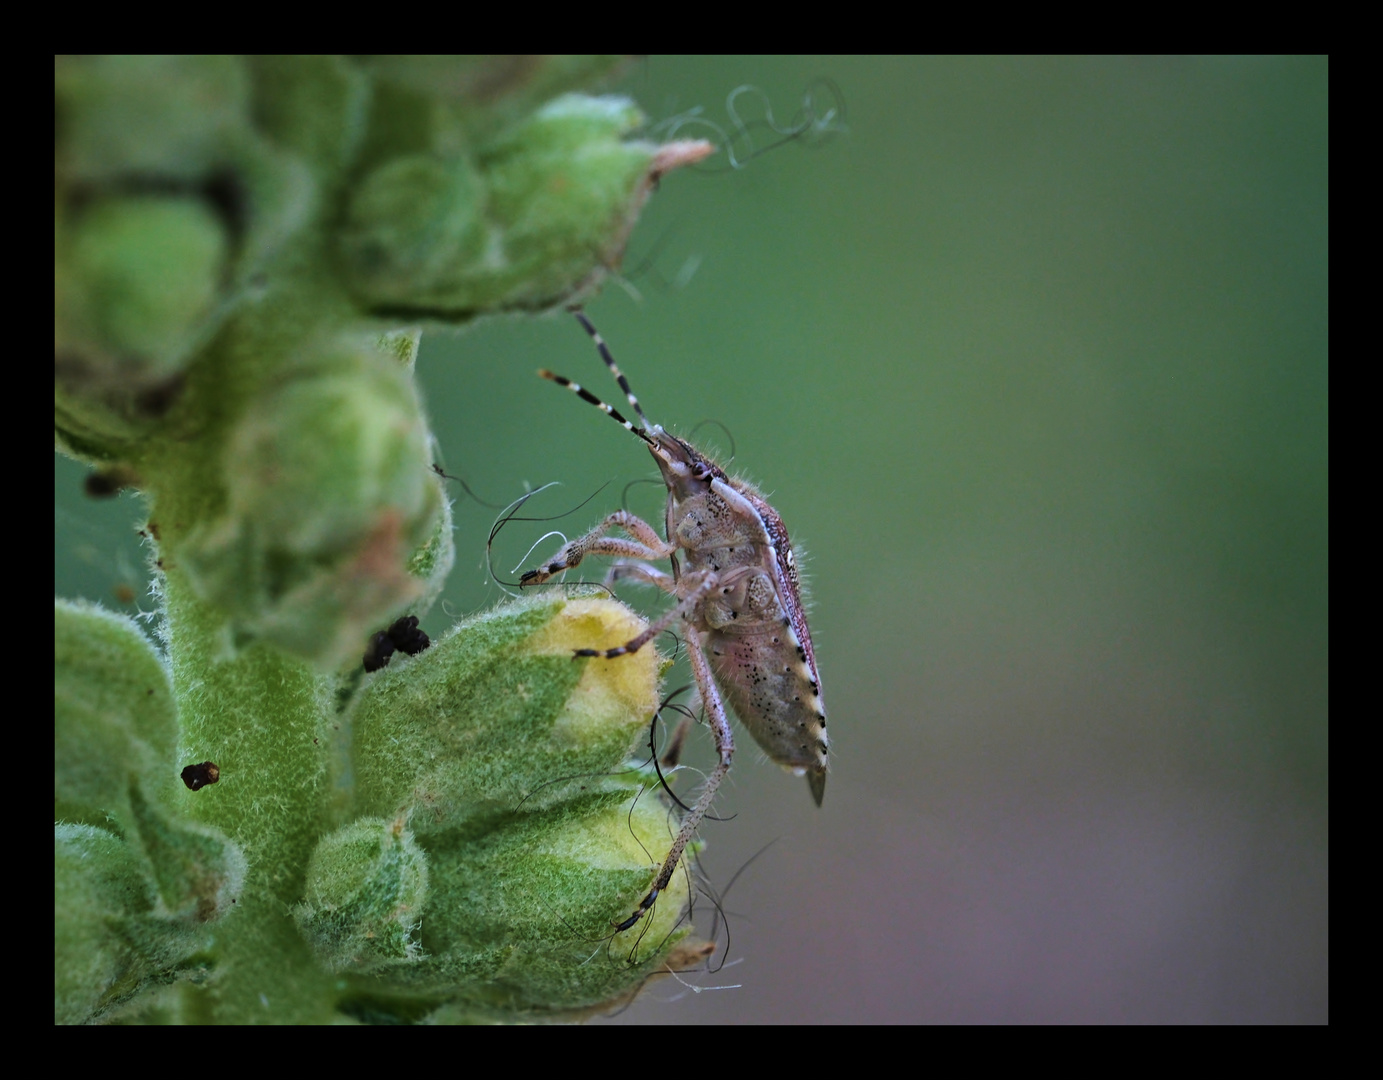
(725, 748)
(647, 544)
(697, 588)
(641, 572)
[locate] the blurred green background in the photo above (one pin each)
(1033, 361)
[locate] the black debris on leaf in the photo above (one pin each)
(197, 777)
(403, 636)
(379, 650)
(407, 637)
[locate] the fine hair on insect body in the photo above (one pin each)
(733, 577)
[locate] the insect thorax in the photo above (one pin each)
(713, 536)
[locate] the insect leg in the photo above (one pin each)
(725, 747)
(684, 607)
(642, 572)
(647, 544)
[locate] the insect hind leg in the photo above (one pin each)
(725, 749)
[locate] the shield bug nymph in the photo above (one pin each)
(738, 603)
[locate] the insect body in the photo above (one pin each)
(738, 601)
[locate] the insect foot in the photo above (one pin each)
(738, 604)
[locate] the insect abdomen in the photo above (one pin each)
(774, 693)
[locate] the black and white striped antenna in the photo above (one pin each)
(649, 429)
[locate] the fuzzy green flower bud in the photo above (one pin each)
(132, 902)
(97, 882)
(540, 213)
(115, 725)
(565, 190)
(415, 230)
(140, 253)
(136, 282)
(167, 203)
(366, 885)
(509, 759)
(521, 917)
(147, 116)
(137, 277)
(490, 714)
(335, 521)
(113, 745)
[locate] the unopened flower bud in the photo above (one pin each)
(483, 720)
(366, 886)
(96, 883)
(415, 231)
(509, 756)
(334, 519)
(521, 918)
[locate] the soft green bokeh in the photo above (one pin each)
(1034, 364)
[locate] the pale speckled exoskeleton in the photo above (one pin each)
(738, 603)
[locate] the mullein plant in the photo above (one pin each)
(250, 827)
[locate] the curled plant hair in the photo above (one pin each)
(820, 115)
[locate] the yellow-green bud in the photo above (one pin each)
(483, 720)
(510, 759)
(520, 918)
